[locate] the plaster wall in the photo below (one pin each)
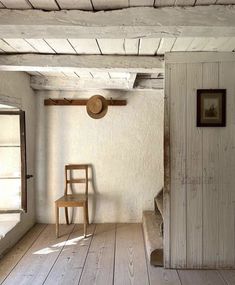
(124, 149)
(15, 90)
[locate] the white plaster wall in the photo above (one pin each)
(15, 88)
(125, 149)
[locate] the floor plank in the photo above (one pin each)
(37, 262)
(68, 267)
(200, 277)
(228, 276)
(10, 260)
(99, 264)
(130, 260)
(161, 276)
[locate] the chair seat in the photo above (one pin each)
(71, 200)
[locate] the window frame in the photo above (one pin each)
(21, 115)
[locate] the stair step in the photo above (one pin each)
(152, 225)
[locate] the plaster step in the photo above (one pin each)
(153, 237)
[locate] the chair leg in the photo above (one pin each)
(66, 215)
(87, 216)
(57, 220)
(85, 219)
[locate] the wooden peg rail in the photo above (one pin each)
(79, 102)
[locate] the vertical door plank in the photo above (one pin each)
(178, 142)
(210, 177)
(99, 264)
(194, 169)
(130, 259)
(200, 277)
(167, 178)
(10, 260)
(226, 178)
(68, 267)
(37, 262)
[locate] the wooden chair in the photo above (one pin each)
(73, 200)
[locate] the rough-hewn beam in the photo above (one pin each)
(71, 84)
(73, 63)
(198, 21)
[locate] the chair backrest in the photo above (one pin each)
(70, 180)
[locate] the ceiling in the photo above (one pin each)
(124, 46)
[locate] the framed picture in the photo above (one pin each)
(211, 107)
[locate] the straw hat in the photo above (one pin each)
(97, 107)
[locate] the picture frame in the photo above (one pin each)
(211, 107)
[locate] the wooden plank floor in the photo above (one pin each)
(110, 254)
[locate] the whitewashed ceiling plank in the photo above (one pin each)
(111, 46)
(61, 46)
(34, 73)
(20, 45)
(109, 5)
(44, 4)
(198, 44)
(85, 46)
(181, 44)
(184, 2)
(138, 3)
(165, 45)
(205, 2)
(101, 75)
(54, 74)
(84, 74)
(214, 43)
(6, 47)
(229, 45)
(162, 3)
(149, 46)
(119, 75)
(225, 2)
(70, 74)
(16, 4)
(131, 46)
(75, 4)
(40, 45)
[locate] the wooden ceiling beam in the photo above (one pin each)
(76, 63)
(72, 84)
(140, 22)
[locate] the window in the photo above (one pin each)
(13, 191)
